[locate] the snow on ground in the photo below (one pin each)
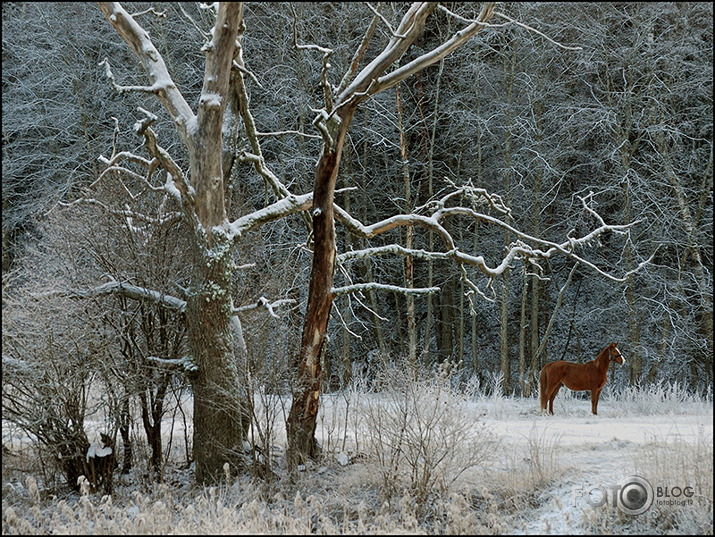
(596, 451)
(593, 450)
(589, 451)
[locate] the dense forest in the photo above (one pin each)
(553, 120)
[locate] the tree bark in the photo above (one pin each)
(522, 333)
(504, 332)
(302, 444)
(218, 432)
(409, 269)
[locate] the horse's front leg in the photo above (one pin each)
(594, 400)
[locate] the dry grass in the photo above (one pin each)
(421, 461)
(668, 463)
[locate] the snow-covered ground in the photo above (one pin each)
(580, 455)
(593, 451)
(586, 451)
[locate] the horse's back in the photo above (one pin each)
(574, 376)
(558, 365)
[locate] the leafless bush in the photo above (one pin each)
(422, 435)
(49, 363)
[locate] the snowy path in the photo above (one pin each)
(593, 451)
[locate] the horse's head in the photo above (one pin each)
(614, 355)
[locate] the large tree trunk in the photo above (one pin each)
(218, 432)
(218, 429)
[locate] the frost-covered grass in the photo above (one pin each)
(415, 457)
(681, 474)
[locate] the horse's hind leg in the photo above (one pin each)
(553, 396)
(543, 387)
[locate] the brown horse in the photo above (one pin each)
(589, 376)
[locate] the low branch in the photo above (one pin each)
(394, 249)
(357, 287)
(128, 290)
(184, 363)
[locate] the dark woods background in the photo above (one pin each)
(628, 117)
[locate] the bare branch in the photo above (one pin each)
(357, 287)
(281, 133)
(411, 26)
(288, 205)
(184, 363)
(125, 289)
(358, 54)
(446, 48)
(125, 213)
(161, 82)
(390, 249)
(518, 250)
(526, 26)
(387, 23)
(327, 53)
(159, 14)
(263, 302)
(154, 88)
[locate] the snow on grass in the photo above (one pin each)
(533, 478)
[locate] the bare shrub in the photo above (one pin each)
(422, 435)
(48, 364)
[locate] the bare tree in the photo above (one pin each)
(216, 346)
(333, 121)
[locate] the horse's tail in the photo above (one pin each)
(542, 388)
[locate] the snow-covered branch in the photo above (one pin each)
(133, 292)
(184, 363)
(411, 26)
(176, 183)
(390, 249)
(263, 302)
(288, 205)
(239, 96)
(525, 247)
(350, 71)
(354, 288)
(161, 82)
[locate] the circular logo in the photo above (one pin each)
(635, 495)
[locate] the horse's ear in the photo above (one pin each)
(615, 344)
